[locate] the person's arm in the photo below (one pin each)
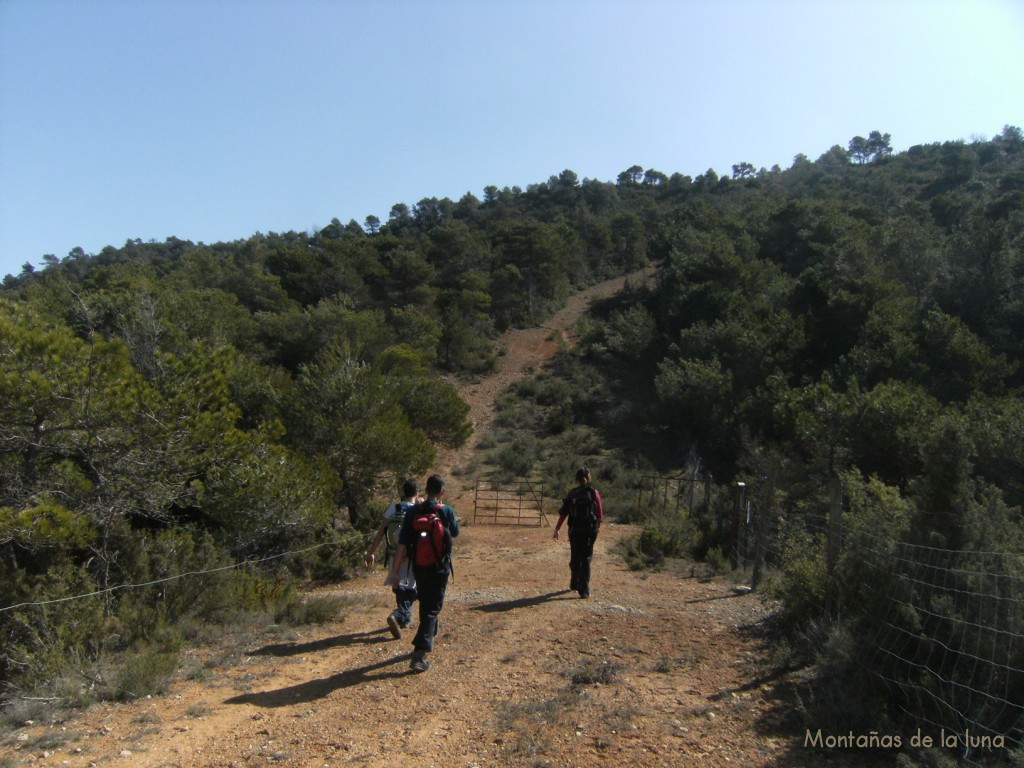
(562, 514)
(598, 507)
(453, 522)
(368, 558)
(396, 564)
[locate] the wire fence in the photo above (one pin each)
(659, 495)
(944, 631)
(945, 638)
(351, 538)
(949, 645)
(62, 626)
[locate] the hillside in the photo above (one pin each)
(826, 373)
(655, 668)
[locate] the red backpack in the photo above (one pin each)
(433, 542)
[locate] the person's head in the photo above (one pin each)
(409, 489)
(435, 486)
(583, 476)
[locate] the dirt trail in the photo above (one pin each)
(655, 669)
(523, 350)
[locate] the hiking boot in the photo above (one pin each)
(419, 663)
(396, 631)
(573, 587)
(585, 595)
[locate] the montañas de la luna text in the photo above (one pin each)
(877, 740)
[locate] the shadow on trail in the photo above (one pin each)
(728, 596)
(523, 602)
(318, 689)
(341, 641)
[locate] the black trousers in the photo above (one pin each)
(581, 551)
(431, 584)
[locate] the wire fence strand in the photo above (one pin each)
(142, 585)
(946, 635)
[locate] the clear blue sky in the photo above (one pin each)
(213, 120)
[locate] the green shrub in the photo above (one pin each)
(842, 693)
(146, 672)
(565, 453)
(201, 709)
(512, 412)
(656, 542)
(669, 537)
(559, 417)
(665, 664)
(517, 459)
(295, 611)
(716, 560)
(633, 557)
(802, 581)
(339, 557)
(673, 537)
(39, 641)
(594, 672)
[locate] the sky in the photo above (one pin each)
(212, 121)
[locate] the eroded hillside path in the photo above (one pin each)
(524, 350)
(655, 669)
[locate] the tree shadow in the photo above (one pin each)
(522, 602)
(318, 689)
(728, 596)
(340, 641)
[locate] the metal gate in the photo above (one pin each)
(515, 503)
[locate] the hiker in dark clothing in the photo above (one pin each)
(430, 552)
(404, 586)
(584, 511)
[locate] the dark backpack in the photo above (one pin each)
(433, 542)
(394, 526)
(583, 510)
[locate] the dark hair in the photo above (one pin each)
(435, 484)
(583, 476)
(410, 488)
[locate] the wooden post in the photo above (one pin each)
(762, 523)
(835, 533)
(693, 488)
(737, 503)
(719, 518)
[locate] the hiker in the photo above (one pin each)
(426, 536)
(582, 507)
(402, 583)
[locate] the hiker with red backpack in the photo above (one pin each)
(426, 539)
(404, 583)
(583, 509)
